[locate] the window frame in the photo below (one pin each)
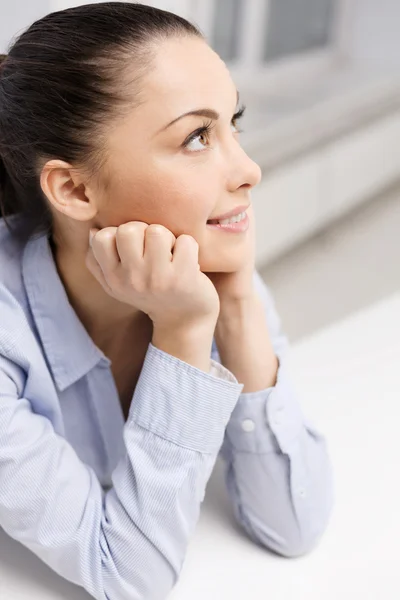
(250, 69)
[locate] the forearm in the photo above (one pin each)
(113, 543)
(244, 343)
(190, 344)
(285, 509)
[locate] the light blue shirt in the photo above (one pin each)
(111, 505)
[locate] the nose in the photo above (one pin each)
(243, 171)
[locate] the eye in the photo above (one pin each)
(236, 117)
(199, 139)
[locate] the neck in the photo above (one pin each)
(107, 320)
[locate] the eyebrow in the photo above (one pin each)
(200, 112)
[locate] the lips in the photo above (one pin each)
(235, 227)
(232, 213)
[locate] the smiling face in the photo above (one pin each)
(174, 174)
(164, 166)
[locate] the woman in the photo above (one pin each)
(137, 340)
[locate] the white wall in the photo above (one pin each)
(62, 4)
(297, 200)
(17, 15)
(374, 32)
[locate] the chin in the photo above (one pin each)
(219, 265)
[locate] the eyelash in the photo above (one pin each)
(208, 127)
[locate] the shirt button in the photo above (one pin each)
(278, 416)
(248, 425)
(302, 492)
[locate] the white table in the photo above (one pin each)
(348, 376)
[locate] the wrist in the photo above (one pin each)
(191, 344)
(244, 343)
(235, 311)
(189, 330)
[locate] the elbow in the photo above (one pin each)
(313, 520)
(307, 534)
(297, 548)
(294, 545)
(298, 536)
(291, 543)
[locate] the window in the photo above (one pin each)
(256, 33)
(296, 26)
(226, 28)
(284, 39)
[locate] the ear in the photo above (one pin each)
(64, 187)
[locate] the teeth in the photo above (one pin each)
(234, 219)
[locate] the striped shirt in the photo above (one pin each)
(110, 504)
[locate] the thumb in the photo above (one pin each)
(92, 233)
(94, 268)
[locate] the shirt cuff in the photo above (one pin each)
(266, 421)
(182, 403)
(218, 370)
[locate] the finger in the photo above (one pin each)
(130, 243)
(95, 269)
(158, 244)
(158, 239)
(186, 253)
(104, 249)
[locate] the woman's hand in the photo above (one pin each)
(147, 267)
(241, 333)
(238, 285)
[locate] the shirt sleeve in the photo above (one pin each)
(129, 542)
(278, 470)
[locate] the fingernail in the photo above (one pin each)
(91, 235)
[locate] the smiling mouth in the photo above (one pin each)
(232, 225)
(236, 219)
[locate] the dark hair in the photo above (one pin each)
(60, 84)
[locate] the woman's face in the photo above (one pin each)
(162, 171)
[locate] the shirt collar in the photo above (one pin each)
(70, 351)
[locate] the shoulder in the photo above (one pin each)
(11, 251)
(13, 301)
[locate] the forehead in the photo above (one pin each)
(187, 73)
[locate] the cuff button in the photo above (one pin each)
(248, 425)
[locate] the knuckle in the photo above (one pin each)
(188, 239)
(131, 227)
(156, 229)
(105, 234)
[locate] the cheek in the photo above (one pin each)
(180, 196)
(179, 206)
(180, 201)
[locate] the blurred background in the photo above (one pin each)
(321, 81)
